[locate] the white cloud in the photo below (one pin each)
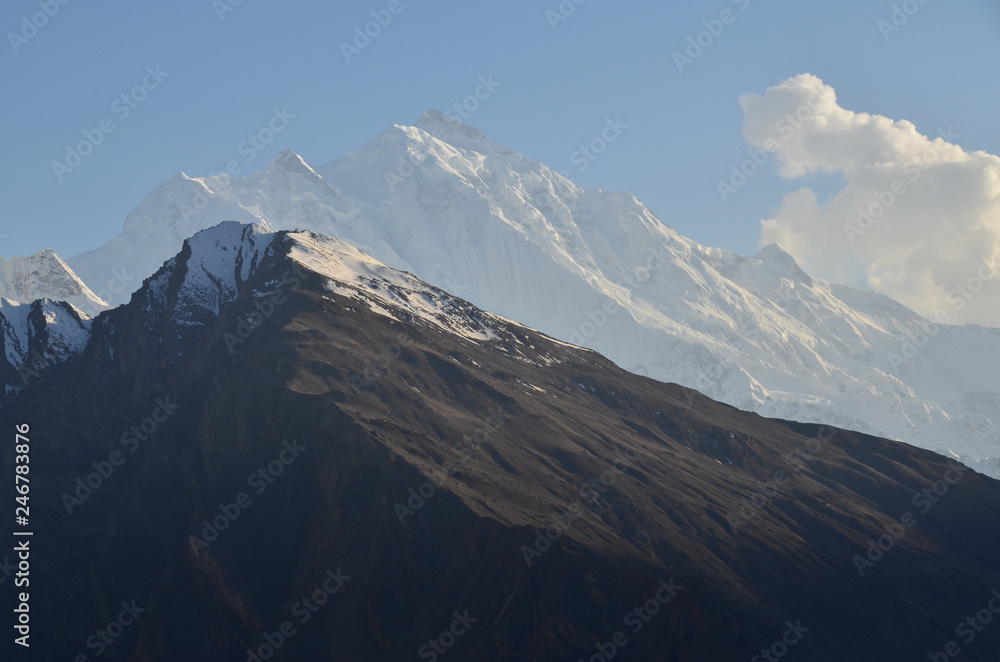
(918, 218)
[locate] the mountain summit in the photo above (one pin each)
(598, 269)
(45, 276)
(283, 448)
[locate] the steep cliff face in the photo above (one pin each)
(281, 448)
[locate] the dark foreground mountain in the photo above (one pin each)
(281, 449)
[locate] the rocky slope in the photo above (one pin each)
(295, 451)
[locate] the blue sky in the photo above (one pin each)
(223, 74)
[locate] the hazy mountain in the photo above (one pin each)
(598, 269)
(45, 276)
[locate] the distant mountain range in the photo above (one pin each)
(597, 269)
(45, 276)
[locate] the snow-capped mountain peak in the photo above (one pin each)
(288, 163)
(45, 275)
(451, 130)
(599, 269)
(195, 287)
(775, 256)
(37, 336)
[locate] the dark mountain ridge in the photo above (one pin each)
(303, 455)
